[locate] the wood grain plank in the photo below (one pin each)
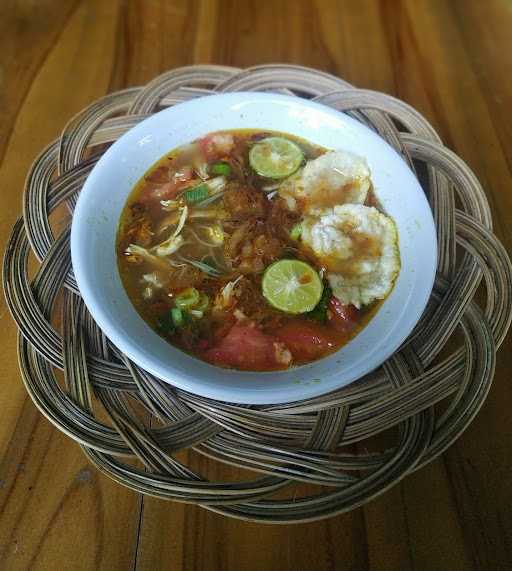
(491, 63)
(436, 531)
(40, 120)
(477, 466)
(450, 60)
(24, 44)
(56, 510)
(427, 68)
(357, 42)
(155, 36)
(455, 103)
(175, 536)
(438, 73)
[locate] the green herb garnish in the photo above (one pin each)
(320, 311)
(204, 267)
(296, 231)
(177, 316)
(222, 169)
(165, 324)
(196, 194)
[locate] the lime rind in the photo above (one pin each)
(275, 157)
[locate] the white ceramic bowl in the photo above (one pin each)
(104, 194)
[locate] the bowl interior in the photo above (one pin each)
(105, 192)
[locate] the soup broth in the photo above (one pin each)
(256, 250)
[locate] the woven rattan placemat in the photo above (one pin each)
(424, 396)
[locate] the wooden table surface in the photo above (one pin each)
(452, 60)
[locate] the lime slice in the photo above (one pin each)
(275, 157)
(292, 286)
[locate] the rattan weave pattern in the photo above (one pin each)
(284, 444)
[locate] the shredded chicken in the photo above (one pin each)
(175, 241)
(183, 277)
(141, 254)
(152, 279)
(232, 244)
(225, 298)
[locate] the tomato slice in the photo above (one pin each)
(228, 321)
(207, 148)
(216, 145)
(165, 189)
(244, 347)
(306, 340)
(160, 175)
(343, 317)
(203, 344)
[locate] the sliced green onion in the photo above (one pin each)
(210, 261)
(296, 231)
(196, 313)
(187, 298)
(177, 316)
(209, 200)
(203, 303)
(221, 169)
(206, 268)
(196, 194)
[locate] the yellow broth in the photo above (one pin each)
(239, 234)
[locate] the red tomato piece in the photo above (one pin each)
(165, 185)
(207, 148)
(306, 340)
(227, 323)
(165, 191)
(244, 347)
(215, 146)
(158, 176)
(343, 317)
(203, 344)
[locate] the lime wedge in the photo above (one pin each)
(292, 286)
(275, 157)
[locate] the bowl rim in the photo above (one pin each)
(221, 393)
